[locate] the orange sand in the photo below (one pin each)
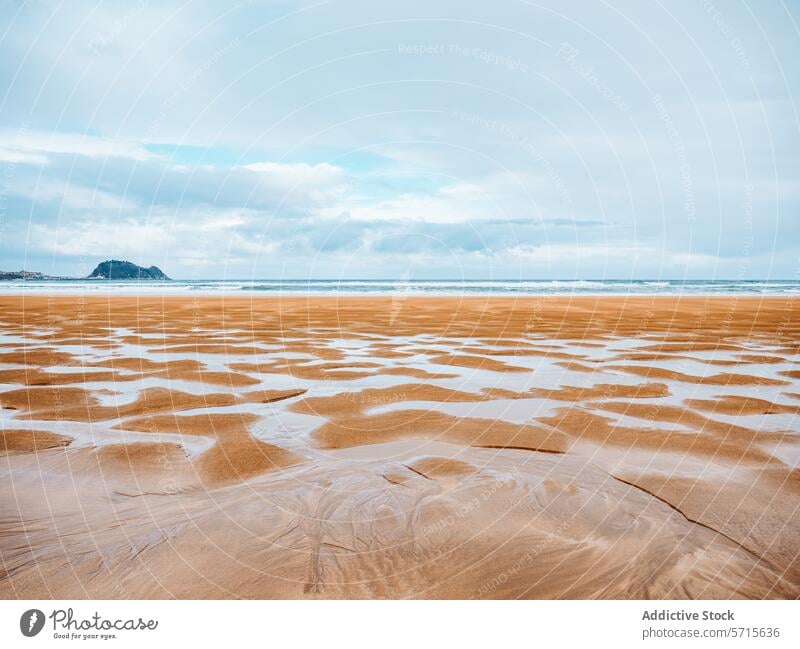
(473, 447)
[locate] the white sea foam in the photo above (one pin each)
(407, 288)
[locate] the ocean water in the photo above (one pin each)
(405, 287)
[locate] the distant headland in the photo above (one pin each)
(24, 274)
(109, 269)
(115, 269)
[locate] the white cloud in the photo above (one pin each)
(186, 234)
(24, 142)
(499, 196)
(302, 174)
(71, 196)
(316, 184)
(14, 156)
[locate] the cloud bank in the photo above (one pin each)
(338, 139)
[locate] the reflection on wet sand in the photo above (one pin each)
(399, 447)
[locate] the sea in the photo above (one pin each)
(342, 287)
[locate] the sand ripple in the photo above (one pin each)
(400, 447)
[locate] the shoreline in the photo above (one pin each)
(428, 296)
(410, 288)
(396, 295)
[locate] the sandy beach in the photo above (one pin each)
(399, 447)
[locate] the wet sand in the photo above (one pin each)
(475, 447)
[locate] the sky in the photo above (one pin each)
(462, 140)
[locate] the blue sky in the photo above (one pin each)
(402, 139)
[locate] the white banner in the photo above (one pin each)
(388, 624)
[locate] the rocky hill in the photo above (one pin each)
(116, 269)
